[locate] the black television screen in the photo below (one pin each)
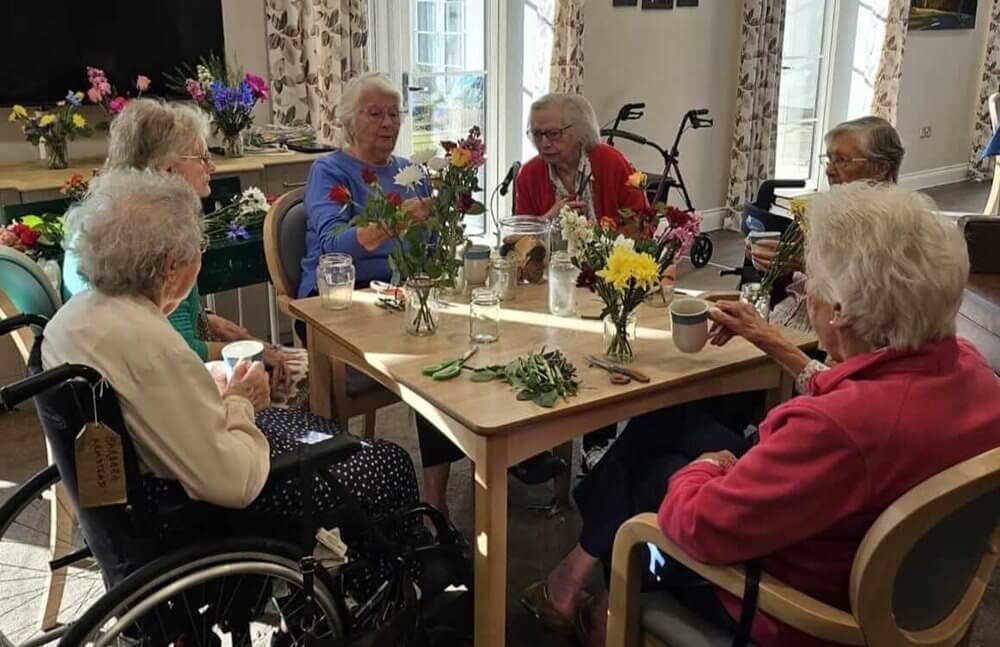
(926, 15)
(46, 45)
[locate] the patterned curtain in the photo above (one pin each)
(314, 47)
(566, 74)
(988, 84)
(885, 95)
(755, 133)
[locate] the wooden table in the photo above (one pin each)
(496, 431)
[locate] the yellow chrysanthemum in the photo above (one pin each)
(47, 120)
(17, 112)
(798, 209)
(637, 180)
(625, 264)
(79, 121)
(460, 157)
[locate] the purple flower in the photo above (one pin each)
(195, 90)
(236, 231)
(72, 100)
(227, 99)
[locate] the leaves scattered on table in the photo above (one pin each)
(541, 377)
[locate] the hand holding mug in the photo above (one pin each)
(250, 381)
(731, 318)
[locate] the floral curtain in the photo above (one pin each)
(566, 73)
(314, 47)
(988, 84)
(885, 95)
(756, 129)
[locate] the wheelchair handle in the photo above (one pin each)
(10, 324)
(624, 134)
(18, 392)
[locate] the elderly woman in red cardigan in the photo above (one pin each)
(905, 400)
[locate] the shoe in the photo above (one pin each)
(536, 600)
(593, 456)
(539, 469)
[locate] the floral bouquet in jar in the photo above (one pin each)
(240, 219)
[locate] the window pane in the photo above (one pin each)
(425, 15)
(799, 90)
(453, 17)
(453, 52)
(425, 50)
(795, 151)
(803, 28)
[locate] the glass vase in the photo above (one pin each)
(421, 306)
(233, 144)
(619, 337)
(761, 301)
(56, 155)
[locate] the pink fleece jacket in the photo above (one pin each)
(829, 462)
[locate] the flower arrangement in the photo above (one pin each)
(40, 237)
(74, 188)
(104, 94)
(236, 220)
(229, 99)
(623, 261)
(791, 246)
(425, 249)
(53, 127)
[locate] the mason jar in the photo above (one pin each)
(484, 316)
(525, 239)
(335, 280)
(503, 277)
(476, 265)
(562, 285)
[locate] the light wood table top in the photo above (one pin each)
(377, 335)
(34, 176)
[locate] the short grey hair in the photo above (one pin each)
(151, 134)
(896, 268)
(578, 112)
(129, 226)
(877, 139)
(350, 100)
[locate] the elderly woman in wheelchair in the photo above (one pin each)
(204, 460)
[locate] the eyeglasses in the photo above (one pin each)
(205, 244)
(553, 135)
(378, 113)
(205, 159)
(838, 162)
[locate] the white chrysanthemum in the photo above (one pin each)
(422, 157)
(204, 76)
(437, 163)
(409, 176)
(253, 200)
(622, 241)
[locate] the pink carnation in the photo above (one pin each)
(95, 75)
(117, 105)
(195, 90)
(258, 86)
(142, 83)
(94, 95)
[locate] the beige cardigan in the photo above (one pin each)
(182, 428)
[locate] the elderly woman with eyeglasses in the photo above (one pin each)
(150, 134)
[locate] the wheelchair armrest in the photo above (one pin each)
(776, 599)
(10, 324)
(334, 450)
(13, 394)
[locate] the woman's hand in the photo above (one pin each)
(724, 459)
(731, 318)
(275, 360)
(225, 330)
(250, 382)
(579, 205)
(418, 208)
(762, 255)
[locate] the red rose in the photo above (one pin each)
(369, 176)
(29, 237)
(676, 217)
(463, 203)
(271, 199)
(394, 199)
(340, 194)
(17, 229)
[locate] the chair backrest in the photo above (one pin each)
(923, 567)
(24, 338)
(12, 211)
(26, 285)
(285, 242)
(994, 104)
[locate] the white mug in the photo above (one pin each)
(250, 351)
(689, 324)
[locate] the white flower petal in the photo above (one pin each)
(409, 176)
(437, 163)
(422, 157)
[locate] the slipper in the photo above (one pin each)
(536, 600)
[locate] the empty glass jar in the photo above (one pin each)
(484, 316)
(503, 277)
(562, 285)
(335, 280)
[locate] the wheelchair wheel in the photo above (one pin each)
(701, 251)
(230, 593)
(37, 601)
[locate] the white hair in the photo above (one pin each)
(577, 112)
(347, 108)
(151, 134)
(130, 225)
(895, 267)
(878, 140)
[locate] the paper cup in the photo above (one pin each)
(251, 351)
(689, 324)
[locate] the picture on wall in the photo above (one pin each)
(942, 14)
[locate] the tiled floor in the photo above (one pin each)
(536, 542)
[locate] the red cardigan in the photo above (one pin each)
(610, 170)
(829, 462)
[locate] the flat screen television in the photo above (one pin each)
(46, 45)
(926, 15)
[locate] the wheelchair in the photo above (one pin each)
(181, 572)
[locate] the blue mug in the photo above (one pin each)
(249, 350)
(689, 324)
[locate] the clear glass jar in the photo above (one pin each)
(562, 285)
(476, 265)
(619, 337)
(751, 293)
(484, 316)
(557, 242)
(335, 280)
(422, 308)
(525, 239)
(503, 277)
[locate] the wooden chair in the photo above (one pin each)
(918, 576)
(992, 201)
(24, 288)
(354, 393)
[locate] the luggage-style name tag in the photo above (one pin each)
(100, 464)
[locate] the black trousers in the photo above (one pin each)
(632, 477)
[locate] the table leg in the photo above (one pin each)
(272, 315)
(491, 545)
(319, 377)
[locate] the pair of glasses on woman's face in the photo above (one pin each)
(378, 113)
(553, 135)
(205, 159)
(836, 161)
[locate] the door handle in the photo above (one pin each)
(407, 89)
